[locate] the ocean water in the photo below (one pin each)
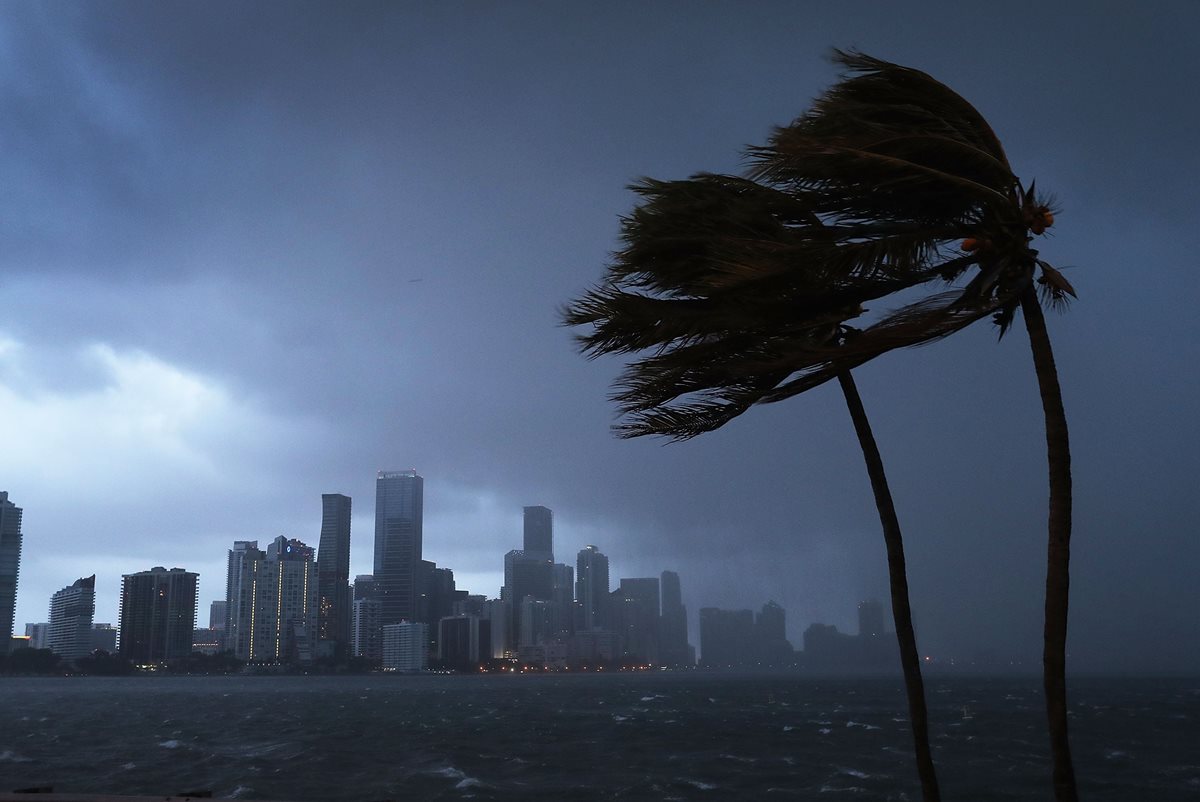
(691, 736)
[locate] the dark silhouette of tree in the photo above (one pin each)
(742, 289)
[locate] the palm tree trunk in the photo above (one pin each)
(1058, 557)
(901, 612)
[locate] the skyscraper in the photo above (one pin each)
(526, 576)
(216, 614)
(673, 634)
(273, 602)
(726, 637)
(591, 589)
(333, 572)
(636, 617)
(539, 532)
(71, 612)
(870, 619)
(10, 566)
(158, 614)
(399, 498)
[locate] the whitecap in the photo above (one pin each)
(739, 759)
(703, 786)
(824, 730)
(9, 756)
(652, 698)
(171, 744)
(862, 775)
(860, 724)
(450, 773)
(620, 718)
(128, 766)
(853, 789)
(468, 782)
(241, 791)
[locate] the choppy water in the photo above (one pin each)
(583, 737)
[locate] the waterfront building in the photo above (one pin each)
(526, 576)
(726, 637)
(463, 640)
(499, 614)
(562, 594)
(635, 611)
(539, 532)
(206, 640)
(10, 566)
(405, 647)
(39, 635)
(216, 614)
(272, 602)
(399, 500)
(366, 636)
(71, 611)
(333, 575)
(673, 633)
(771, 646)
(591, 589)
(158, 614)
(104, 638)
(870, 619)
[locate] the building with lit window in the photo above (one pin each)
(272, 602)
(366, 633)
(158, 614)
(333, 575)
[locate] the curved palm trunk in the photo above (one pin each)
(1058, 558)
(901, 612)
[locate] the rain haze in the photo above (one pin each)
(253, 253)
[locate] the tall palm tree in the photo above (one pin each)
(741, 289)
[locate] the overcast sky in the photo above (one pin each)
(252, 253)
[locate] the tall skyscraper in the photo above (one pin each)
(216, 614)
(10, 566)
(870, 619)
(158, 614)
(235, 638)
(273, 602)
(673, 634)
(591, 589)
(636, 615)
(333, 572)
(399, 497)
(526, 576)
(726, 637)
(539, 532)
(71, 612)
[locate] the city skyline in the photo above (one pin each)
(234, 284)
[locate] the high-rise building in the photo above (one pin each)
(366, 636)
(771, 646)
(636, 604)
(216, 614)
(726, 637)
(272, 602)
(526, 576)
(104, 638)
(673, 634)
(463, 641)
(539, 532)
(71, 611)
(10, 566)
(158, 614)
(562, 594)
(333, 571)
(591, 589)
(406, 647)
(39, 635)
(870, 619)
(399, 498)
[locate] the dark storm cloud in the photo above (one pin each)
(348, 232)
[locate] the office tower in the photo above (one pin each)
(10, 566)
(272, 602)
(538, 622)
(591, 588)
(158, 614)
(636, 615)
(539, 532)
(673, 637)
(333, 574)
(216, 614)
(39, 635)
(71, 611)
(771, 646)
(463, 640)
(104, 638)
(870, 619)
(399, 497)
(406, 647)
(499, 613)
(726, 637)
(562, 593)
(366, 637)
(526, 576)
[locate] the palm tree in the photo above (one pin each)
(741, 289)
